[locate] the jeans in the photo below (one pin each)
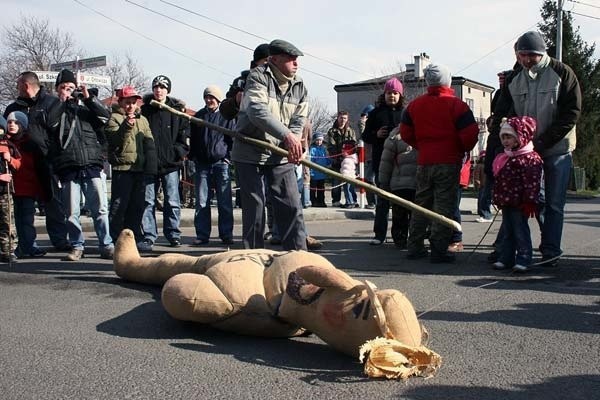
(171, 207)
(457, 236)
(282, 190)
(484, 198)
(207, 175)
(24, 224)
(303, 189)
(557, 172)
(349, 193)
(96, 201)
(516, 244)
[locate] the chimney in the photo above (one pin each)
(421, 62)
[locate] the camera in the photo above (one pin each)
(77, 94)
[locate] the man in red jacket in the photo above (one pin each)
(442, 128)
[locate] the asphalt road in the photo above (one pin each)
(76, 331)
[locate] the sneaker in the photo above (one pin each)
(549, 262)
(37, 252)
(74, 255)
(312, 243)
(370, 206)
(482, 220)
(499, 265)
(336, 204)
(227, 241)
(200, 242)
(415, 255)
(145, 245)
(456, 247)
(175, 242)
(107, 253)
(356, 205)
(492, 257)
(376, 242)
(520, 268)
(8, 258)
(268, 235)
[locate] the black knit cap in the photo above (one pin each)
(531, 42)
(262, 51)
(162, 80)
(66, 76)
(279, 46)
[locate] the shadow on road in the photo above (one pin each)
(580, 387)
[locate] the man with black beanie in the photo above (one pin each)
(171, 134)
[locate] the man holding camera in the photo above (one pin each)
(76, 156)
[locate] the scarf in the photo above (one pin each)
(502, 158)
(282, 81)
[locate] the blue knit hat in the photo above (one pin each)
(20, 117)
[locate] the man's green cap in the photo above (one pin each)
(279, 46)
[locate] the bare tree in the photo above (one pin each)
(31, 43)
(322, 118)
(125, 70)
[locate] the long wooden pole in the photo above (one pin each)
(282, 152)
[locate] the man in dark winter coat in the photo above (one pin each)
(549, 91)
(171, 139)
(77, 159)
(34, 101)
(210, 150)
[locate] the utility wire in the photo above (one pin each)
(152, 40)
(583, 15)
(220, 37)
(261, 37)
(584, 4)
(496, 49)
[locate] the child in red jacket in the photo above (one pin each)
(517, 179)
(28, 186)
(10, 161)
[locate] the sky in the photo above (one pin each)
(345, 41)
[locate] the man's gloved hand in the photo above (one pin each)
(529, 210)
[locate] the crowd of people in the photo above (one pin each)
(54, 149)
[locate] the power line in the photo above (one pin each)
(584, 4)
(152, 40)
(219, 37)
(261, 37)
(583, 15)
(496, 49)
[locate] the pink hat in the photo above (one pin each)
(126, 92)
(393, 85)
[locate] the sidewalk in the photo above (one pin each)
(467, 206)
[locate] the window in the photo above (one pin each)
(470, 103)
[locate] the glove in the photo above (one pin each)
(529, 209)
